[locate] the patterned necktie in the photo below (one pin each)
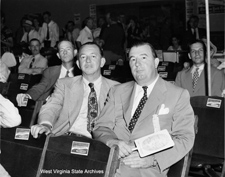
(139, 109)
(31, 63)
(92, 108)
(67, 74)
(195, 78)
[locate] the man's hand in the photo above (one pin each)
(124, 148)
(22, 99)
(135, 161)
(39, 129)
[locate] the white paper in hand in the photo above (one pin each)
(153, 143)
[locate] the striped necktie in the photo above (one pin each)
(139, 109)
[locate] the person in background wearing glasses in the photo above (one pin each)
(195, 79)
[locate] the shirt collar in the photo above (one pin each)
(87, 29)
(150, 87)
(96, 82)
(201, 67)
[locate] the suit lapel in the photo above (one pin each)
(76, 93)
(127, 101)
(188, 80)
(103, 93)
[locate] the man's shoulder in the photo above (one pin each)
(110, 81)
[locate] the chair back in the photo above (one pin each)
(210, 138)
(79, 155)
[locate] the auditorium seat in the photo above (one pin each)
(208, 150)
(98, 161)
(20, 83)
(20, 157)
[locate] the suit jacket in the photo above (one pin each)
(115, 117)
(184, 80)
(62, 109)
(43, 89)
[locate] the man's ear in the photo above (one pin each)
(189, 56)
(75, 52)
(78, 64)
(29, 47)
(58, 55)
(156, 62)
(102, 62)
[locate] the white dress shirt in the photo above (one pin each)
(80, 125)
(85, 35)
(64, 71)
(139, 92)
(199, 70)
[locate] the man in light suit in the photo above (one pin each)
(114, 126)
(185, 78)
(67, 109)
(44, 88)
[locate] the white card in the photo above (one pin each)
(215, 103)
(22, 134)
(80, 148)
(153, 143)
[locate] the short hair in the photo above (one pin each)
(113, 16)
(47, 13)
(141, 43)
(201, 42)
(194, 17)
(92, 43)
(34, 39)
(65, 40)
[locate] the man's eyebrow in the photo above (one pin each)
(143, 54)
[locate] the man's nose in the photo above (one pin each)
(88, 59)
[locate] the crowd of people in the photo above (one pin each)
(90, 105)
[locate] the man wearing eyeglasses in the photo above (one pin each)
(195, 79)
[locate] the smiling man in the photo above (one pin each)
(128, 115)
(76, 102)
(195, 78)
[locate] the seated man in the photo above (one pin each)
(76, 102)
(50, 76)
(35, 63)
(194, 79)
(125, 119)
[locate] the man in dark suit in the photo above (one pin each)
(67, 108)
(193, 32)
(198, 87)
(123, 120)
(43, 89)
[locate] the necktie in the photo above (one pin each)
(67, 74)
(139, 109)
(47, 37)
(92, 108)
(195, 78)
(28, 37)
(31, 63)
